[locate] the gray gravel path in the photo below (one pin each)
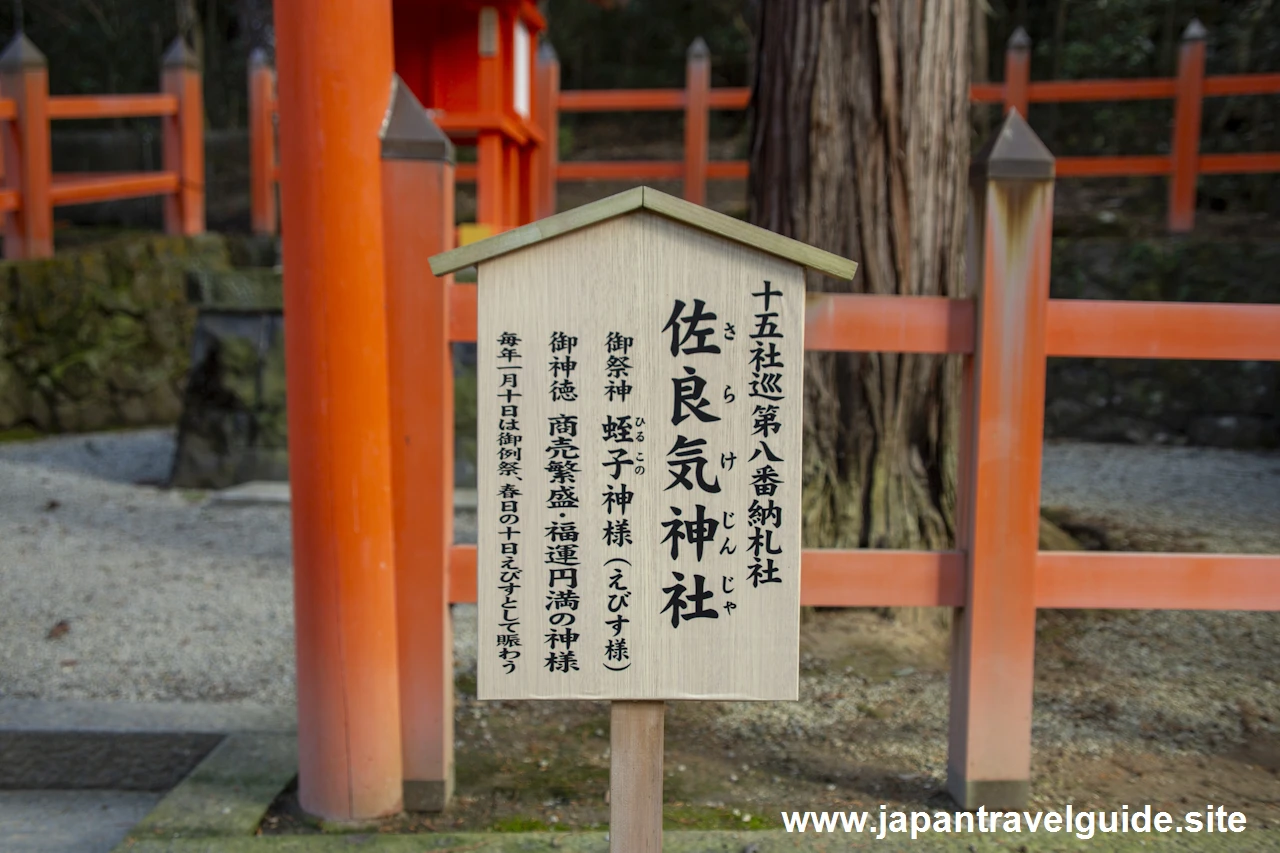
(166, 597)
(160, 597)
(1229, 500)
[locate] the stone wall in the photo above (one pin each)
(233, 423)
(233, 426)
(98, 337)
(1213, 403)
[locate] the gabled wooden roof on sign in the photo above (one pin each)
(644, 198)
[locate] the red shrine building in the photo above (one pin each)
(473, 62)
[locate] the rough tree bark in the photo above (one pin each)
(189, 28)
(255, 21)
(860, 146)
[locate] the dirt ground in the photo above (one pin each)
(1178, 710)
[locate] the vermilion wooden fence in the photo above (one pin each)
(1183, 165)
(31, 189)
(1188, 90)
(996, 577)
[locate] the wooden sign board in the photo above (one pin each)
(639, 407)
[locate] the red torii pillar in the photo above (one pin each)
(334, 68)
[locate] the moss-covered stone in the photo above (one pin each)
(238, 288)
(97, 337)
(233, 414)
(254, 250)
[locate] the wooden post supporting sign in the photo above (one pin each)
(635, 776)
(638, 417)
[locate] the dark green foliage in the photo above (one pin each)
(1099, 39)
(114, 47)
(640, 44)
(1216, 403)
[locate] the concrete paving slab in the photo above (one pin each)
(99, 716)
(69, 821)
(228, 793)
(116, 745)
(118, 761)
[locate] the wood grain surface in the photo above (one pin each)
(625, 275)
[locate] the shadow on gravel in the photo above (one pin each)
(136, 457)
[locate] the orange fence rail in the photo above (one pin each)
(1183, 165)
(1073, 328)
(31, 189)
(995, 576)
(112, 106)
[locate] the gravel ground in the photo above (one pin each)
(126, 592)
(1228, 500)
(1163, 683)
(120, 591)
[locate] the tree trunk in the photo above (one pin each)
(256, 24)
(980, 63)
(860, 145)
(189, 28)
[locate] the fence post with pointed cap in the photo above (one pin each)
(262, 144)
(1017, 72)
(24, 78)
(417, 216)
(546, 107)
(1010, 235)
(183, 138)
(334, 62)
(697, 96)
(1186, 128)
